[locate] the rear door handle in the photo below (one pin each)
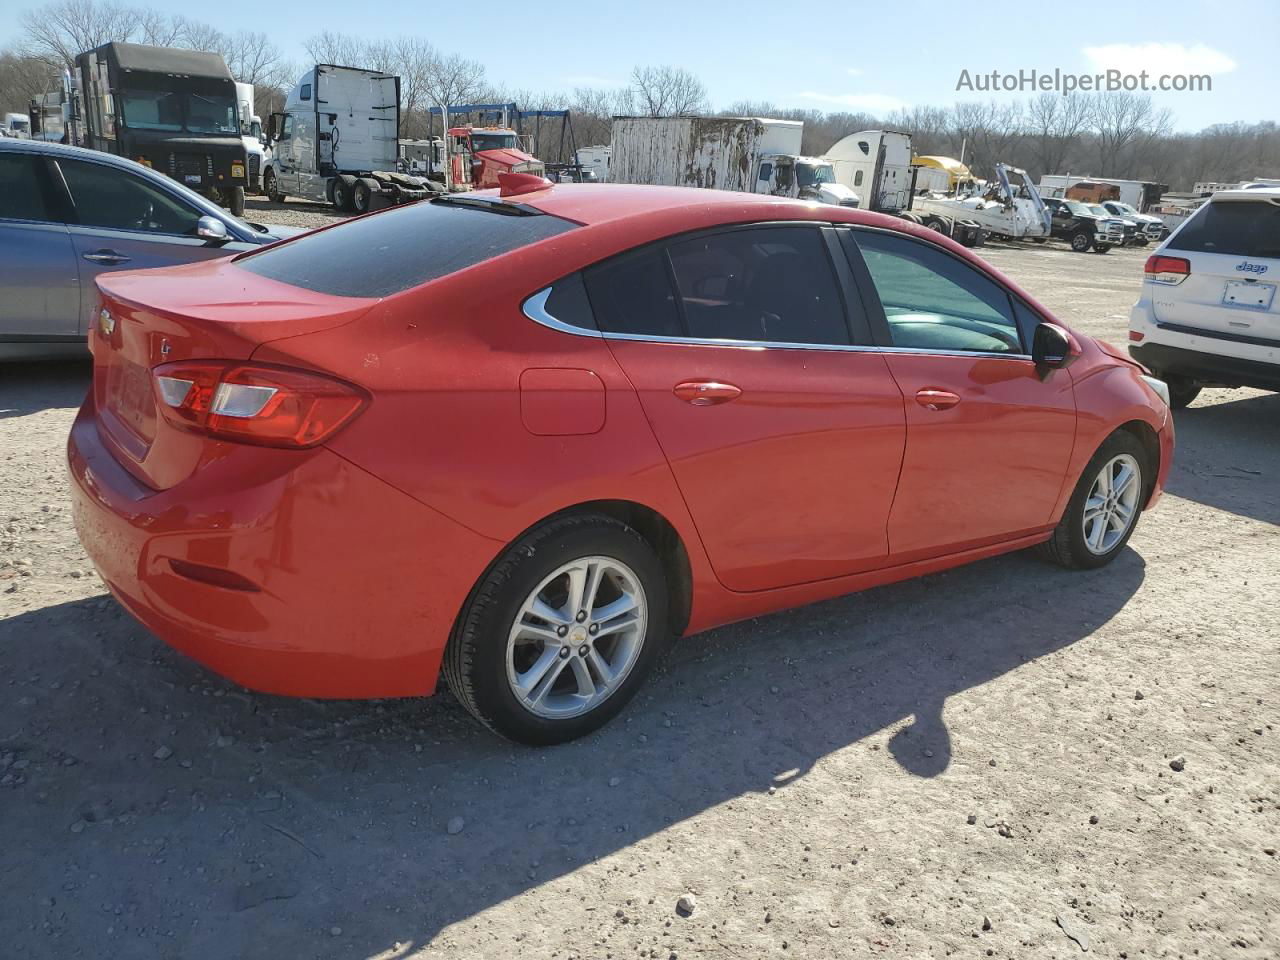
(932, 399)
(704, 393)
(108, 257)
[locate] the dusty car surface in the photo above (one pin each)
(597, 418)
(69, 215)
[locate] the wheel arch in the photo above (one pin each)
(656, 529)
(1145, 435)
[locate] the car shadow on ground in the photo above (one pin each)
(1228, 456)
(233, 821)
(28, 387)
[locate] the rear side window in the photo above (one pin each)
(632, 294)
(401, 248)
(771, 284)
(1238, 228)
(22, 188)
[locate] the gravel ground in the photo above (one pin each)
(291, 213)
(1005, 760)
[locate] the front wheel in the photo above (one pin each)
(561, 632)
(1081, 241)
(1101, 247)
(270, 188)
(235, 201)
(1104, 508)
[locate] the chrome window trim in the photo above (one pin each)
(535, 308)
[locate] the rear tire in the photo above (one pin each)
(937, 225)
(521, 673)
(1182, 390)
(362, 194)
(343, 190)
(1078, 542)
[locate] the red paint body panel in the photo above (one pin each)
(987, 468)
(822, 476)
(790, 481)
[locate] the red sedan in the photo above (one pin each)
(526, 438)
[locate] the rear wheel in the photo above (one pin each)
(362, 195)
(1104, 508)
(936, 224)
(1081, 241)
(343, 193)
(561, 632)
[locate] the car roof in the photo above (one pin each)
(1263, 194)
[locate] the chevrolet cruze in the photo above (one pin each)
(521, 438)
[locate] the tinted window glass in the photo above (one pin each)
(568, 303)
(772, 284)
(22, 191)
(934, 301)
(1236, 228)
(108, 197)
(400, 248)
(631, 294)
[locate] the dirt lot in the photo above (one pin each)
(973, 764)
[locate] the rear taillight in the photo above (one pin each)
(1170, 270)
(271, 406)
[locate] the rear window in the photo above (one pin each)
(1238, 228)
(401, 248)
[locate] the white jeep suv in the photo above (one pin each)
(1209, 314)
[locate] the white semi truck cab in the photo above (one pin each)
(337, 141)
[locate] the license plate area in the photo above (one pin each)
(1252, 296)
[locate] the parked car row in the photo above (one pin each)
(596, 418)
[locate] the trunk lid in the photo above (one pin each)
(211, 311)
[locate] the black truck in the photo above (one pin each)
(173, 110)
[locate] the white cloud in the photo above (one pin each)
(1159, 58)
(870, 102)
(854, 71)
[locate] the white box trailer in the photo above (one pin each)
(337, 141)
(751, 154)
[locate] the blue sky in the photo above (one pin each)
(852, 55)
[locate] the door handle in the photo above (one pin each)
(704, 393)
(108, 257)
(937, 399)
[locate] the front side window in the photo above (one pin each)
(933, 301)
(152, 109)
(115, 199)
(770, 284)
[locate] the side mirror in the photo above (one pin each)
(211, 228)
(1051, 347)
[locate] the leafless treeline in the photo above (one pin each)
(1116, 135)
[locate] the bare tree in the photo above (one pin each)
(23, 79)
(1118, 121)
(1053, 124)
(668, 91)
(59, 31)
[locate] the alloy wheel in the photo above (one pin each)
(576, 637)
(1112, 505)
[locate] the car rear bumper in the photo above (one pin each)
(319, 580)
(1207, 367)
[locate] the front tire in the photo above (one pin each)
(561, 632)
(1104, 508)
(235, 201)
(269, 187)
(1101, 247)
(1081, 241)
